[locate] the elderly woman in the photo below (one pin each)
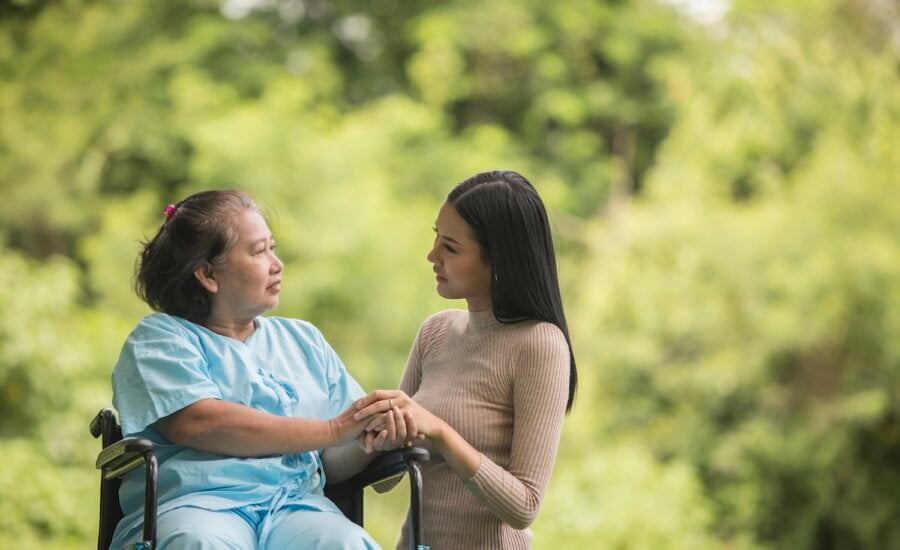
(240, 406)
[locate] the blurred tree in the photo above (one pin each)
(87, 105)
(721, 181)
(580, 84)
(746, 311)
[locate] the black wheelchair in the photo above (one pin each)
(120, 456)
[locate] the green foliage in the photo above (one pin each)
(44, 502)
(37, 300)
(622, 497)
(724, 196)
(578, 83)
(749, 304)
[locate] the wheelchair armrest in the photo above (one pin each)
(123, 456)
(97, 423)
(348, 494)
(388, 465)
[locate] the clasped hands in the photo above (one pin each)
(388, 419)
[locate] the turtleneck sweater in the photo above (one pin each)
(503, 388)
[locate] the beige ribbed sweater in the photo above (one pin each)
(503, 388)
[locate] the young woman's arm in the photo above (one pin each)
(540, 392)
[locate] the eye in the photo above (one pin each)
(450, 248)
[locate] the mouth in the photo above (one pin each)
(276, 286)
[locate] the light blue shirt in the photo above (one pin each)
(285, 368)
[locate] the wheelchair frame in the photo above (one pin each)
(121, 455)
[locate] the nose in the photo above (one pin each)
(277, 264)
(432, 254)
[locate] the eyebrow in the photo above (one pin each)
(445, 237)
(262, 240)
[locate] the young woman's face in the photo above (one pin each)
(251, 280)
(458, 262)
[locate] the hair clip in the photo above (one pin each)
(170, 211)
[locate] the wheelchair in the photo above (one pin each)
(121, 455)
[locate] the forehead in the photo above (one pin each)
(450, 223)
(251, 226)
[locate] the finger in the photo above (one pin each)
(380, 441)
(381, 406)
(370, 442)
(374, 397)
(377, 423)
(377, 395)
(400, 421)
(391, 427)
(411, 430)
(365, 401)
(370, 410)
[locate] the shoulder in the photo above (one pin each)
(436, 328)
(287, 324)
(287, 328)
(442, 321)
(541, 340)
(162, 337)
(540, 333)
(163, 325)
(156, 321)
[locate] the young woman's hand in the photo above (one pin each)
(462, 458)
(381, 401)
(398, 430)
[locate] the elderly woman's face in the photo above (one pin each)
(251, 280)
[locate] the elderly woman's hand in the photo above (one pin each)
(396, 430)
(346, 427)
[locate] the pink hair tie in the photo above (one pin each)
(170, 211)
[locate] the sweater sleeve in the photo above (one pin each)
(540, 392)
(409, 384)
(412, 376)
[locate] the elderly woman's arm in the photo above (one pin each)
(227, 428)
(231, 429)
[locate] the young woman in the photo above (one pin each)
(487, 387)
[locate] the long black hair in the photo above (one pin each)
(197, 232)
(510, 223)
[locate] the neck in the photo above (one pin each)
(481, 321)
(239, 330)
(480, 303)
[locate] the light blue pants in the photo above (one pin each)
(188, 528)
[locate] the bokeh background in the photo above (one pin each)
(722, 178)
